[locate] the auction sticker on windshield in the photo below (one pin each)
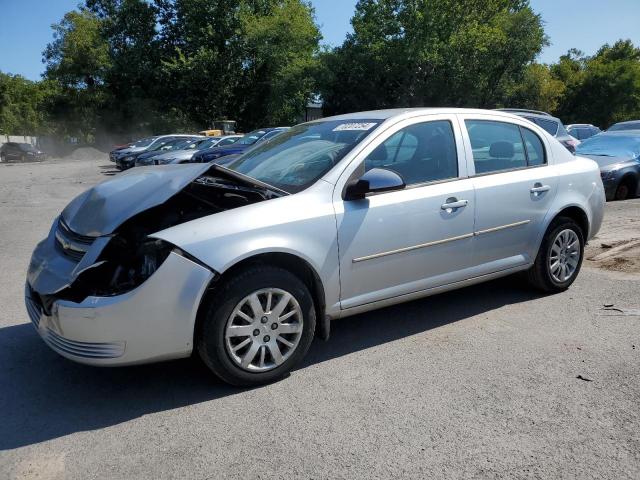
(354, 127)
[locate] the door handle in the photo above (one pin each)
(453, 204)
(539, 188)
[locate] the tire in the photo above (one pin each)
(216, 343)
(540, 275)
(624, 190)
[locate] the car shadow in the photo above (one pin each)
(44, 396)
(108, 170)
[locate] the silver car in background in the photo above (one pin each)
(582, 131)
(551, 124)
(246, 263)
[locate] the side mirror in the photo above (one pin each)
(375, 180)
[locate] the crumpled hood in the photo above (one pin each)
(104, 207)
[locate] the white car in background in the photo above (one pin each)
(246, 263)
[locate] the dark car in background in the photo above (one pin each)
(250, 140)
(550, 123)
(20, 152)
(582, 131)
(617, 154)
(621, 126)
(124, 162)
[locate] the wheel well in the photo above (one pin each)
(579, 216)
(294, 264)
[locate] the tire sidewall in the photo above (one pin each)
(211, 343)
(622, 192)
(563, 224)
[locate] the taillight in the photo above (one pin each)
(571, 145)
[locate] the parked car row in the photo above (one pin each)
(181, 148)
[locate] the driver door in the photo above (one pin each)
(400, 242)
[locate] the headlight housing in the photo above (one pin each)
(606, 174)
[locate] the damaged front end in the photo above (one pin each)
(99, 260)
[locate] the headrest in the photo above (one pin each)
(501, 150)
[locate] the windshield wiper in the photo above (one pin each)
(251, 181)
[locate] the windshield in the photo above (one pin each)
(208, 143)
(252, 137)
(625, 126)
(297, 158)
(611, 146)
(26, 147)
(145, 142)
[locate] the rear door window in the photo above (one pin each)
(496, 146)
(500, 146)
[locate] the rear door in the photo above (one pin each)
(514, 187)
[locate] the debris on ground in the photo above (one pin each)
(580, 377)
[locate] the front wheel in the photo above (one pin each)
(257, 327)
(560, 256)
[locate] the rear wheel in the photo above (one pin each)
(625, 189)
(560, 256)
(257, 327)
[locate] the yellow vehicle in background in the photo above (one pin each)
(219, 128)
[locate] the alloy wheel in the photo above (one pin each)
(264, 330)
(565, 255)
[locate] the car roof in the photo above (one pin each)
(622, 133)
(627, 122)
(577, 125)
(524, 110)
(530, 113)
(400, 112)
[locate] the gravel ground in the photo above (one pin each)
(477, 383)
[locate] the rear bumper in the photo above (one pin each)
(151, 323)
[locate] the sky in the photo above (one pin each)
(25, 27)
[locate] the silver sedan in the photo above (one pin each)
(246, 263)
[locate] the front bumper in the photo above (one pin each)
(123, 164)
(153, 322)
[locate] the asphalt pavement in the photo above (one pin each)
(491, 381)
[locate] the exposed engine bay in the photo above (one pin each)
(131, 256)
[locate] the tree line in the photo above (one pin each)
(118, 67)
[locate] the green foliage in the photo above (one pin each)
(24, 105)
(154, 66)
(279, 51)
(431, 52)
(602, 89)
(538, 90)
